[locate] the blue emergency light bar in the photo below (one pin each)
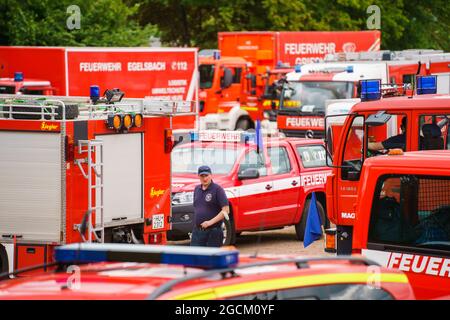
(349, 69)
(370, 89)
(200, 257)
(426, 84)
(298, 68)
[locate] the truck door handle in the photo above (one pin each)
(294, 183)
(11, 236)
(268, 187)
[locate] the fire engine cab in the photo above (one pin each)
(19, 85)
(76, 169)
(228, 97)
(403, 217)
(305, 93)
(371, 128)
(269, 184)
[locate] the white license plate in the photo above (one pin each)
(158, 221)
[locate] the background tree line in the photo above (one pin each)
(404, 23)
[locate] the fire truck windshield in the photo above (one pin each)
(206, 75)
(309, 96)
(188, 159)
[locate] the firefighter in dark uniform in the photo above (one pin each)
(210, 208)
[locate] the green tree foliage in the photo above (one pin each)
(44, 23)
(404, 23)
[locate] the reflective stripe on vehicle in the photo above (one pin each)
(292, 282)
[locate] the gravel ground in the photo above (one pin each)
(282, 241)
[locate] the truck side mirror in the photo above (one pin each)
(248, 174)
(227, 78)
(252, 78)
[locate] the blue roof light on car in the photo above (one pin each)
(194, 136)
(298, 68)
(370, 89)
(201, 257)
(426, 84)
(349, 69)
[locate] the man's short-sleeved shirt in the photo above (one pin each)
(398, 141)
(208, 203)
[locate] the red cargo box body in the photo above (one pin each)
(159, 73)
(296, 47)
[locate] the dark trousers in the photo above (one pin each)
(210, 237)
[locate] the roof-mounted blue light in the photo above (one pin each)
(18, 76)
(370, 89)
(216, 55)
(349, 69)
(426, 84)
(298, 68)
(94, 93)
(201, 257)
(194, 136)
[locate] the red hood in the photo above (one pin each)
(187, 182)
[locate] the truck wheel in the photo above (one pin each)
(301, 225)
(243, 124)
(229, 234)
(4, 264)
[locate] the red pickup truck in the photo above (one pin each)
(269, 189)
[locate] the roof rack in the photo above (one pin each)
(54, 107)
(387, 55)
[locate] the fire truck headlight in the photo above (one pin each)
(138, 120)
(181, 198)
(127, 121)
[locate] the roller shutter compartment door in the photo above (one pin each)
(30, 185)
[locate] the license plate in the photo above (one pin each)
(158, 221)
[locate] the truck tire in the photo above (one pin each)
(243, 124)
(72, 112)
(301, 225)
(4, 263)
(229, 233)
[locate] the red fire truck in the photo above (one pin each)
(72, 170)
(425, 127)
(306, 91)
(403, 217)
(234, 86)
(155, 73)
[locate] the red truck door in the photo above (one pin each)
(230, 93)
(255, 195)
(286, 183)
